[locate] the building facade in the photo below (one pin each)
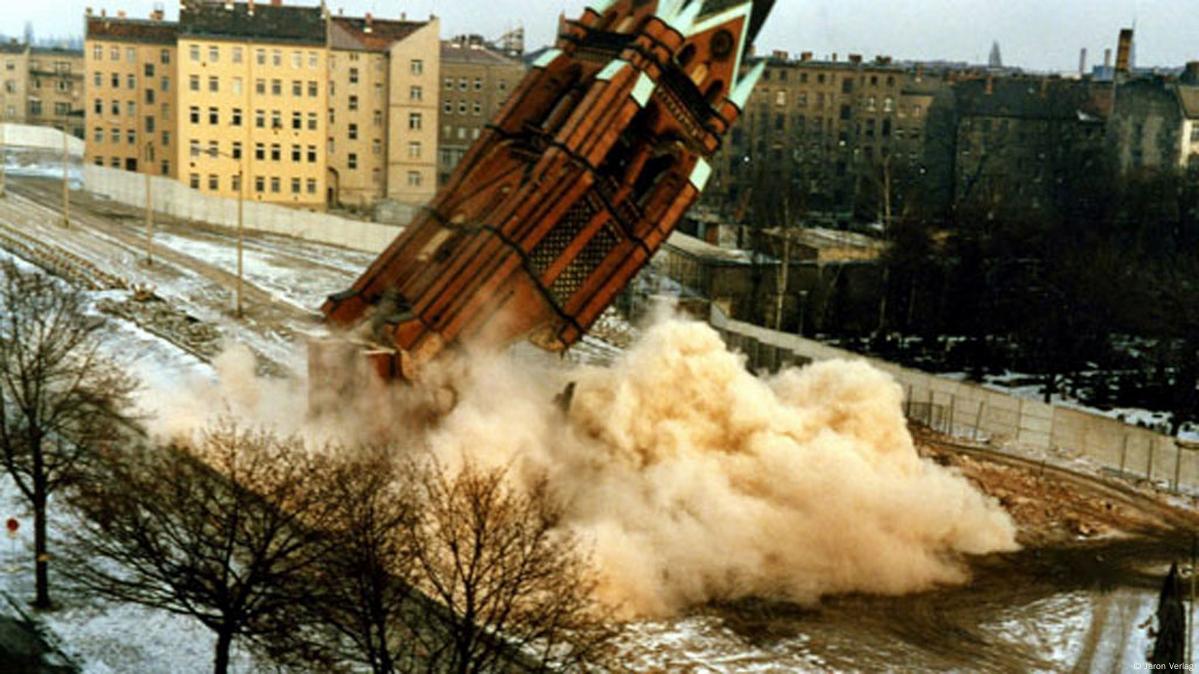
(847, 133)
(372, 147)
(130, 99)
(56, 89)
(14, 58)
(253, 101)
(476, 80)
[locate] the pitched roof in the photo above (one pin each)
(475, 53)
(132, 30)
(268, 23)
(349, 33)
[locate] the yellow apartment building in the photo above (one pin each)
(476, 80)
(367, 116)
(14, 81)
(253, 98)
(130, 91)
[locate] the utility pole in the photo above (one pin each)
(146, 161)
(3, 156)
(66, 181)
(241, 198)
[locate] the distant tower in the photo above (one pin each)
(1082, 62)
(1124, 52)
(996, 59)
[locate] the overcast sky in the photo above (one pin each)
(1036, 34)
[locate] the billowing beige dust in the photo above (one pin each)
(697, 481)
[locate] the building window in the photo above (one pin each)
(166, 141)
(259, 152)
(98, 52)
(275, 184)
(477, 108)
(194, 181)
(237, 54)
(99, 135)
(448, 107)
(166, 167)
(213, 84)
(116, 108)
(352, 161)
(166, 83)
(414, 149)
(311, 184)
(214, 116)
(376, 176)
(97, 81)
(312, 90)
(116, 162)
(353, 76)
(193, 82)
(260, 57)
(236, 152)
(312, 121)
(417, 67)
(98, 106)
(296, 153)
(276, 119)
(276, 59)
(462, 107)
(116, 81)
(150, 96)
(235, 183)
(260, 119)
(259, 183)
(260, 86)
(235, 118)
(214, 149)
(377, 118)
(276, 87)
(214, 182)
(115, 135)
(297, 88)
(149, 124)
(449, 84)
(415, 93)
(194, 52)
(313, 60)
(98, 161)
(237, 85)
(478, 84)
(297, 120)
(165, 58)
(276, 152)
(353, 102)
(414, 179)
(193, 115)
(353, 131)
(214, 54)
(295, 185)
(414, 121)
(376, 147)
(311, 154)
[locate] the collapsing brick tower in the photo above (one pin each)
(569, 192)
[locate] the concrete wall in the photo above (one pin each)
(41, 137)
(971, 411)
(176, 199)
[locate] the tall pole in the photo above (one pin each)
(149, 206)
(66, 181)
(1190, 650)
(3, 156)
(241, 197)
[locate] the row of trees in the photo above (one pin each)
(313, 559)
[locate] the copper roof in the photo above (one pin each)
(132, 30)
(349, 33)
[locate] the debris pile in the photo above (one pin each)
(154, 315)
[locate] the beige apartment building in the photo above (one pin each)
(476, 80)
(14, 82)
(252, 101)
(382, 143)
(130, 93)
(56, 89)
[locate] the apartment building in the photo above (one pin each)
(55, 89)
(14, 59)
(477, 79)
(130, 99)
(252, 101)
(380, 143)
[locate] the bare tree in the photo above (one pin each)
(221, 531)
(60, 398)
(512, 589)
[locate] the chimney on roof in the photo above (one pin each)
(855, 59)
(369, 23)
(1082, 62)
(250, 7)
(779, 54)
(1107, 58)
(805, 56)
(834, 57)
(120, 13)
(990, 84)
(103, 13)
(403, 16)
(157, 14)
(276, 3)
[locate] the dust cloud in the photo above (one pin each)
(692, 479)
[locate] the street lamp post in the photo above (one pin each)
(241, 198)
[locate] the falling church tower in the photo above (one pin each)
(570, 191)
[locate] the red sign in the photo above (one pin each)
(12, 525)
